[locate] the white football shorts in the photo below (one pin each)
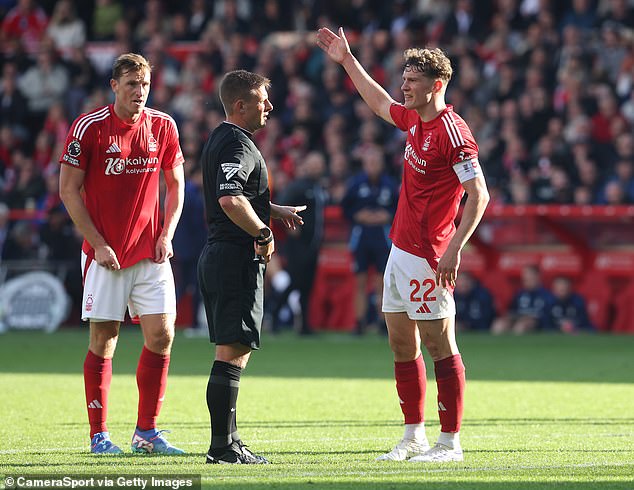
(145, 288)
(409, 285)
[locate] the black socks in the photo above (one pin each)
(222, 396)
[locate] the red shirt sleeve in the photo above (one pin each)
(173, 155)
(78, 146)
(399, 116)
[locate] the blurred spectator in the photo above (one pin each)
(22, 242)
(338, 174)
(199, 15)
(13, 105)
(568, 313)
(59, 239)
(83, 77)
(302, 244)
(189, 239)
(530, 307)
(66, 29)
(27, 185)
(4, 226)
(26, 24)
(105, 16)
(43, 84)
(369, 204)
(475, 310)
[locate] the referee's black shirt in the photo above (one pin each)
(233, 166)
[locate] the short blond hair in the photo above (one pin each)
(432, 63)
(129, 62)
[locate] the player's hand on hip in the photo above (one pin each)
(336, 47)
(163, 250)
(447, 270)
(106, 257)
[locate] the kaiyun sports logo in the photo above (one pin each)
(140, 165)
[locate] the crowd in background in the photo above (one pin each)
(546, 86)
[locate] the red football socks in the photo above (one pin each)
(450, 378)
(151, 378)
(97, 377)
(411, 384)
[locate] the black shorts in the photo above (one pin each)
(232, 287)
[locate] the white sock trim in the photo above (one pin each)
(415, 432)
(450, 439)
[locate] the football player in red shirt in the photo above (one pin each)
(109, 183)
(440, 165)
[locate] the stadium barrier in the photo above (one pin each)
(593, 245)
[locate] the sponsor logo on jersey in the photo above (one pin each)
(414, 161)
(74, 148)
(139, 165)
(230, 169)
(228, 186)
(152, 144)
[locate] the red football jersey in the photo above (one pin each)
(122, 163)
(431, 190)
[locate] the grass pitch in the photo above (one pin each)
(544, 411)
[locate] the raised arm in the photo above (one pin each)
(338, 50)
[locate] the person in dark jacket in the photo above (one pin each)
(369, 204)
(474, 304)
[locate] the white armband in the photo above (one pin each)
(468, 169)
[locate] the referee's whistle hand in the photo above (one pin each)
(265, 251)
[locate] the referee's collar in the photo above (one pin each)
(239, 127)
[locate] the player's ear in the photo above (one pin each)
(437, 87)
(113, 84)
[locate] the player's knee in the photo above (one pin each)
(160, 341)
(402, 349)
(437, 349)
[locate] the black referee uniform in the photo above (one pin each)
(230, 276)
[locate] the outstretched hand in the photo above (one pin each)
(336, 47)
(289, 215)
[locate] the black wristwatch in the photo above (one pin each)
(265, 237)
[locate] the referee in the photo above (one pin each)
(239, 244)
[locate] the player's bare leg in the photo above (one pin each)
(97, 377)
(409, 371)
(439, 338)
(151, 376)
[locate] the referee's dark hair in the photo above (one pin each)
(240, 84)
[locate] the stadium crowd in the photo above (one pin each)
(546, 86)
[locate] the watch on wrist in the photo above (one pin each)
(265, 237)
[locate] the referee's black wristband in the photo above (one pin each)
(265, 237)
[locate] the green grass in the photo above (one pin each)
(541, 412)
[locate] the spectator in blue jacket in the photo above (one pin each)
(530, 308)
(568, 312)
(189, 239)
(369, 204)
(474, 304)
